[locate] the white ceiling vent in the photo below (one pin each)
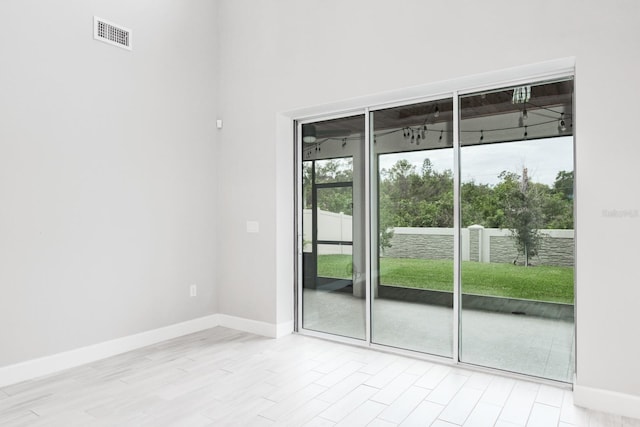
(111, 33)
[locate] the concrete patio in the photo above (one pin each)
(527, 344)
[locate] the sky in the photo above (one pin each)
(543, 158)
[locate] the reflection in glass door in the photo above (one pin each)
(516, 168)
(412, 221)
(333, 260)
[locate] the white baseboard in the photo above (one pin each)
(252, 326)
(57, 362)
(34, 368)
(627, 405)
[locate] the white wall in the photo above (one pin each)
(107, 172)
(113, 177)
(281, 55)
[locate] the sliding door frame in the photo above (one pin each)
(530, 74)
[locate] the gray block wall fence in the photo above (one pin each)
(476, 242)
(479, 244)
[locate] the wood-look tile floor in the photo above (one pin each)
(222, 377)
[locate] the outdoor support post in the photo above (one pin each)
(360, 235)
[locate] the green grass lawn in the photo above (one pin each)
(540, 283)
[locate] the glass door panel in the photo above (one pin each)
(412, 221)
(516, 169)
(333, 291)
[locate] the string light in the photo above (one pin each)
(562, 126)
(419, 134)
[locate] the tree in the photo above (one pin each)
(409, 199)
(523, 211)
(480, 206)
(558, 207)
(564, 184)
(385, 222)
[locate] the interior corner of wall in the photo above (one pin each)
(284, 328)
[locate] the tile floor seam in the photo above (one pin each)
(449, 402)
(546, 404)
(530, 411)
(475, 405)
(502, 407)
(401, 395)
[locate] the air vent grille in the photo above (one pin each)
(111, 33)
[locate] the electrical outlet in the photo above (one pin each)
(193, 290)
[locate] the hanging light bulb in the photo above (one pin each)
(436, 113)
(418, 140)
(525, 133)
(481, 135)
(440, 139)
(562, 126)
(424, 134)
(525, 115)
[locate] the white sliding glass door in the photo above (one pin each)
(412, 204)
(444, 226)
(516, 169)
(333, 264)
